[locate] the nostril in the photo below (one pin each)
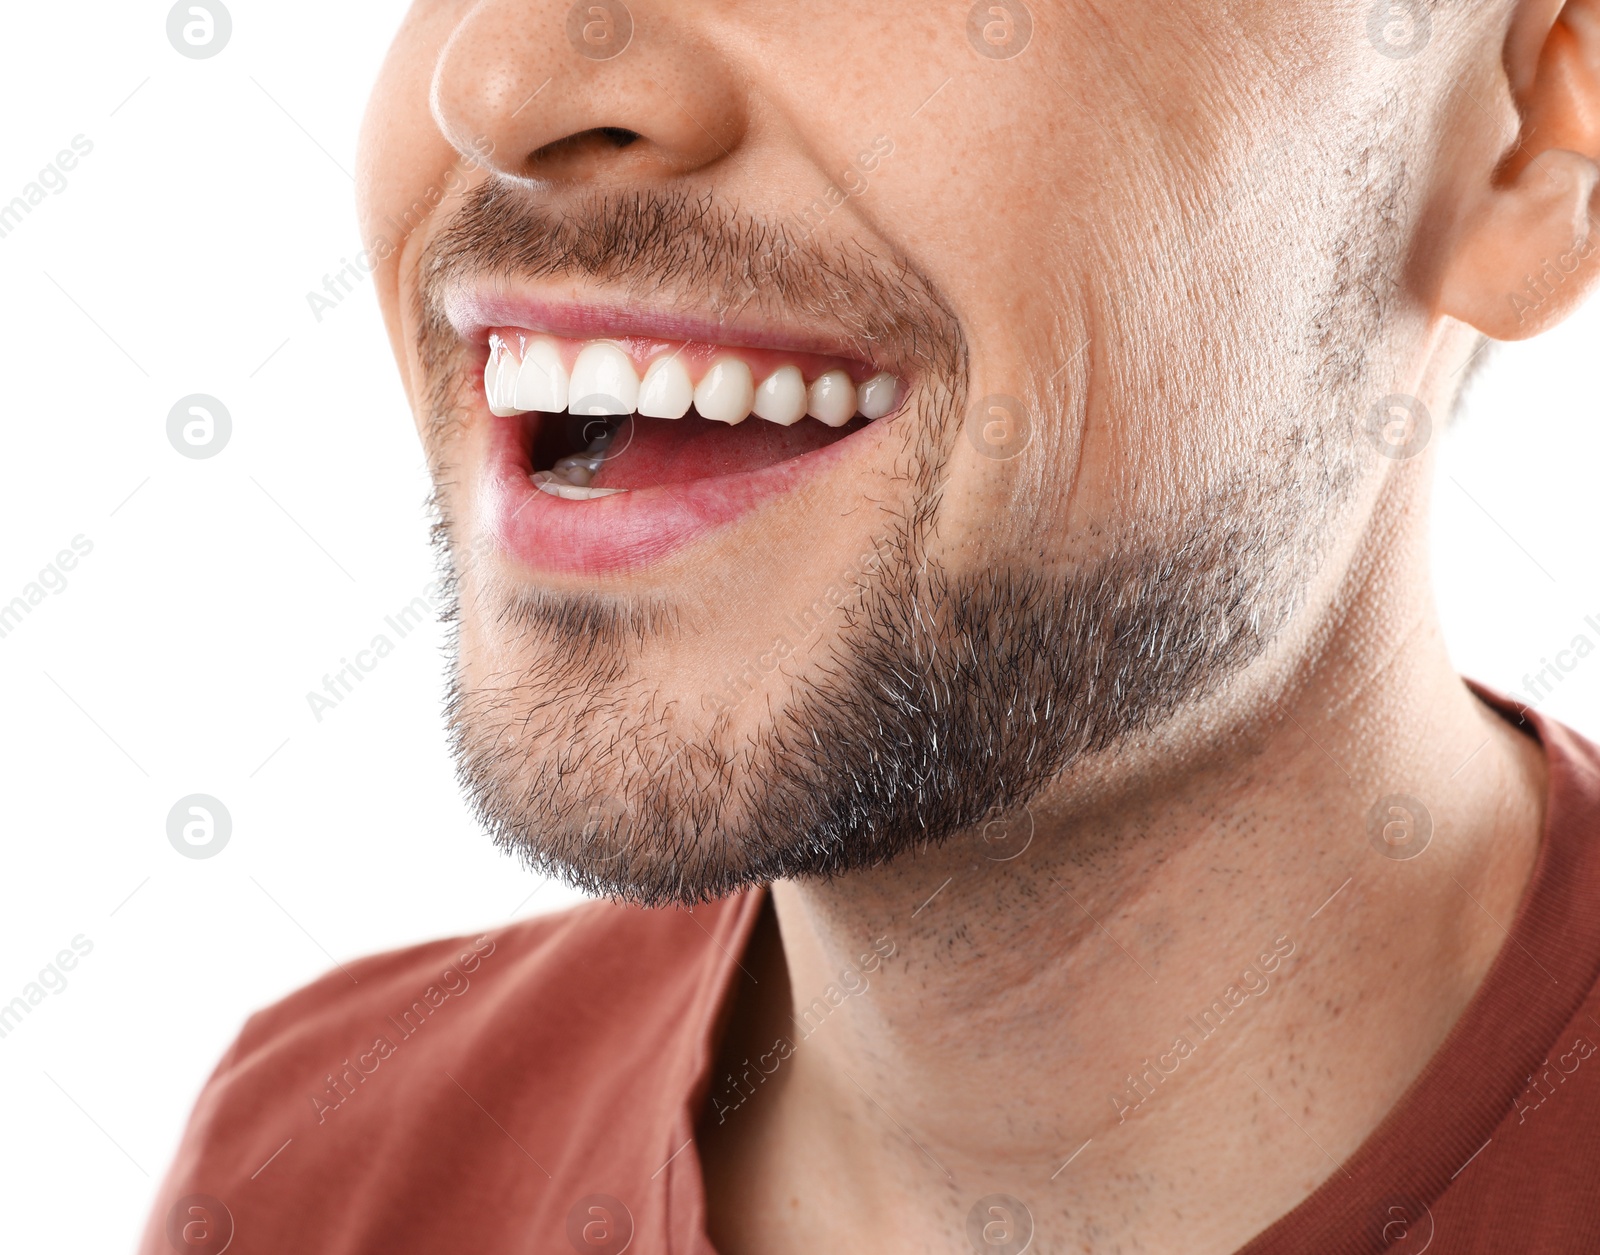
(571, 153)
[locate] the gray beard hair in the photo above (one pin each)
(940, 702)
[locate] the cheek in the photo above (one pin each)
(401, 152)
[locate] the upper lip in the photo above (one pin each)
(473, 310)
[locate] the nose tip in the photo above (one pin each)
(518, 88)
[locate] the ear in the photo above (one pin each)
(1529, 252)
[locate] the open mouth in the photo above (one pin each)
(606, 453)
(601, 417)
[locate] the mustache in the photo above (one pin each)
(690, 252)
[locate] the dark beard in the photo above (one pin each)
(937, 701)
(940, 703)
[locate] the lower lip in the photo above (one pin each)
(628, 530)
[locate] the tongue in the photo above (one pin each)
(650, 451)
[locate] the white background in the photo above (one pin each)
(177, 660)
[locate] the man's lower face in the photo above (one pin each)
(650, 704)
(758, 578)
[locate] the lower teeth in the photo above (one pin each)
(545, 481)
(570, 477)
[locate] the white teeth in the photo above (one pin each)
(727, 392)
(545, 482)
(603, 382)
(666, 391)
(577, 469)
(832, 399)
(876, 397)
(781, 398)
(499, 380)
(542, 379)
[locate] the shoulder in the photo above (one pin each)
(422, 1051)
(554, 963)
(597, 967)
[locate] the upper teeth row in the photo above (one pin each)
(603, 381)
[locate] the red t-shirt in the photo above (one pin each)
(536, 1090)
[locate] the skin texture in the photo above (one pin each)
(1199, 246)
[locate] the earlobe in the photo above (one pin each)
(1531, 254)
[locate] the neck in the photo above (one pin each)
(1210, 986)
